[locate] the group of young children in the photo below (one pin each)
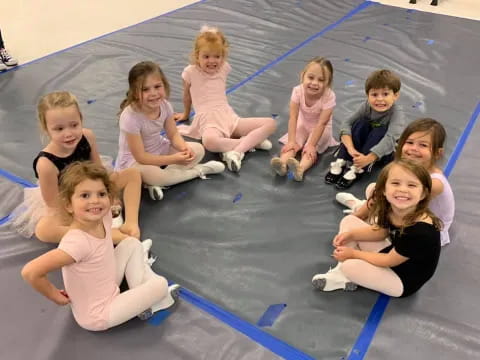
(390, 243)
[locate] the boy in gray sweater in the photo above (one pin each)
(371, 133)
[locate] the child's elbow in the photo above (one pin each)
(27, 273)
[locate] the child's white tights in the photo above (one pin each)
(145, 287)
(172, 174)
(360, 272)
(248, 133)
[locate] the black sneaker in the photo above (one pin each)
(332, 178)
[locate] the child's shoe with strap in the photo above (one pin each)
(233, 160)
(350, 201)
(335, 172)
(333, 280)
(347, 180)
(278, 166)
(155, 192)
(210, 167)
(169, 300)
(295, 168)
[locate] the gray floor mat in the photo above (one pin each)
(263, 248)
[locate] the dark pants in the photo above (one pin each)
(364, 137)
(2, 45)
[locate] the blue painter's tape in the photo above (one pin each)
(430, 42)
(349, 82)
(417, 105)
(271, 314)
(290, 175)
(347, 59)
(91, 101)
(274, 116)
(237, 197)
(159, 317)
(369, 328)
(366, 38)
(268, 341)
(461, 141)
(332, 26)
(4, 219)
(366, 335)
(410, 11)
(16, 179)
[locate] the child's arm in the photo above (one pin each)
(346, 130)
(310, 147)
(395, 128)
(187, 103)
(48, 181)
(347, 141)
(135, 143)
(35, 273)
(391, 259)
(177, 141)
(291, 144)
(94, 155)
(437, 187)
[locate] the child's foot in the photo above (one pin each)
(169, 300)
(145, 315)
(155, 192)
(349, 200)
(210, 167)
(348, 178)
(117, 218)
(7, 59)
(278, 166)
(335, 172)
(147, 245)
(264, 145)
(3, 67)
(333, 280)
(233, 160)
(130, 229)
(296, 169)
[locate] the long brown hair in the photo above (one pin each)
(427, 126)
(136, 78)
(381, 208)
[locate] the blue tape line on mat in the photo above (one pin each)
(461, 141)
(268, 341)
(16, 179)
(4, 219)
(99, 37)
(271, 314)
(369, 328)
(159, 317)
(359, 8)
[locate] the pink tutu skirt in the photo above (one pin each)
(25, 217)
